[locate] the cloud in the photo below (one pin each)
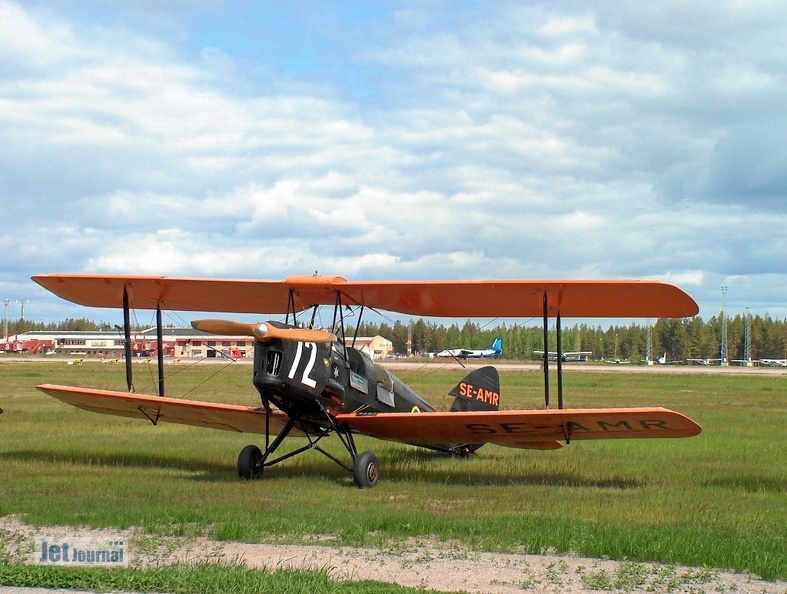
(748, 166)
(546, 140)
(31, 43)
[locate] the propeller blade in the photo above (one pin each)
(263, 331)
(224, 327)
(267, 331)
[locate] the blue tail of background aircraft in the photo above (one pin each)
(497, 346)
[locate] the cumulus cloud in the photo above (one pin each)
(547, 140)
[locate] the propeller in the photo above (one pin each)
(262, 331)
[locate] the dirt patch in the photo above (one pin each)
(413, 563)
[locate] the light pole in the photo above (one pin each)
(5, 318)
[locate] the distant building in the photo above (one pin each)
(23, 343)
(176, 342)
(376, 347)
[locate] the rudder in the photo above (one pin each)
(479, 391)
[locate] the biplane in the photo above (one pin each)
(312, 384)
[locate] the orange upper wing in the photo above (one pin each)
(541, 429)
(227, 417)
(521, 298)
(486, 298)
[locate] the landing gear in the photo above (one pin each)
(366, 470)
(365, 467)
(250, 463)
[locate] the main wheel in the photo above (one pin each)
(249, 466)
(366, 470)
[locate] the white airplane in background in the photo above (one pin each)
(664, 361)
(566, 356)
(705, 362)
(494, 351)
(773, 362)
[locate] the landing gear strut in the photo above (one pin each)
(365, 466)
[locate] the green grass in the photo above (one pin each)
(216, 578)
(715, 500)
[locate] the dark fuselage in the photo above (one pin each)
(306, 379)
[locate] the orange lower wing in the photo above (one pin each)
(539, 429)
(213, 415)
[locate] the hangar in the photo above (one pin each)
(176, 342)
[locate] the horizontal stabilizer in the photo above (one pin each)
(214, 415)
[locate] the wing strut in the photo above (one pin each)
(127, 344)
(127, 339)
(290, 308)
(546, 352)
(337, 312)
(559, 362)
(160, 338)
(357, 326)
(558, 358)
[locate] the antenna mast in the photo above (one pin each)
(23, 302)
(747, 339)
(5, 318)
(724, 360)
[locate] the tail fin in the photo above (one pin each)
(480, 390)
(497, 345)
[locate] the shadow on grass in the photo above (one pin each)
(430, 469)
(116, 460)
(213, 472)
(479, 472)
(402, 467)
(751, 484)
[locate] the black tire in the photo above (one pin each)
(249, 467)
(366, 470)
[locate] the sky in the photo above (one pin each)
(395, 141)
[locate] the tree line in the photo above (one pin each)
(21, 326)
(679, 339)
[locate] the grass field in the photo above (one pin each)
(715, 500)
